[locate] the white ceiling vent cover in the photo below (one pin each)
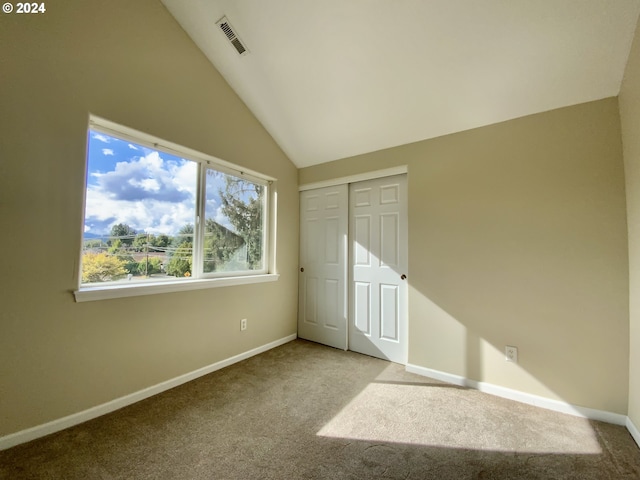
(230, 33)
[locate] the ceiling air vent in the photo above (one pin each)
(227, 29)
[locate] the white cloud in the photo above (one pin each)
(133, 147)
(148, 216)
(107, 151)
(147, 193)
(102, 138)
(148, 184)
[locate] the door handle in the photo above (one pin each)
(302, 269)
(403, 277)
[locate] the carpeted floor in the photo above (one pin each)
(304, 411)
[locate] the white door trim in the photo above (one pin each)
(387, 172)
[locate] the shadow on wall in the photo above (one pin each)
(517, 236)
(490, 288)
(495, 293)
(563, 313)
(563, 354)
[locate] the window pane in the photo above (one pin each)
(234, 224)
(139, 214)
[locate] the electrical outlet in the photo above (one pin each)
(243, 324)
(511, 354)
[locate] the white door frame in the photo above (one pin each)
(387, 172)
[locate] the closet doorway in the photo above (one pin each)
(353, 267)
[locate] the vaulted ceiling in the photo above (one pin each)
(334, 78)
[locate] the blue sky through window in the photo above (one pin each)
(151, 191)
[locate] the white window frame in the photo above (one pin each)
(201, 280)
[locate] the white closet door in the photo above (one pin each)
(378, 257)
(322, 304)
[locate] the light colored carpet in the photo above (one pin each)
(304, 411)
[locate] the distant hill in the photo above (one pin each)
(89, 235)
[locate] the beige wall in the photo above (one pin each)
(129, 62)
(630, 119)
(517, 230)
(517, 236)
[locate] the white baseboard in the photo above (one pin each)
(633, 430)
(29, 434)
(523, 397)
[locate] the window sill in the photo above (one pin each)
(88, 294)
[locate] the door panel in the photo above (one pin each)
(362, 307)
(322, 305)
(331, 302)
(362, 238)
(332, 240)
(389, 238)
(389, 312)
(378, 248)
(311, 300)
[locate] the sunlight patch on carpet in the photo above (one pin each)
(434, 415)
